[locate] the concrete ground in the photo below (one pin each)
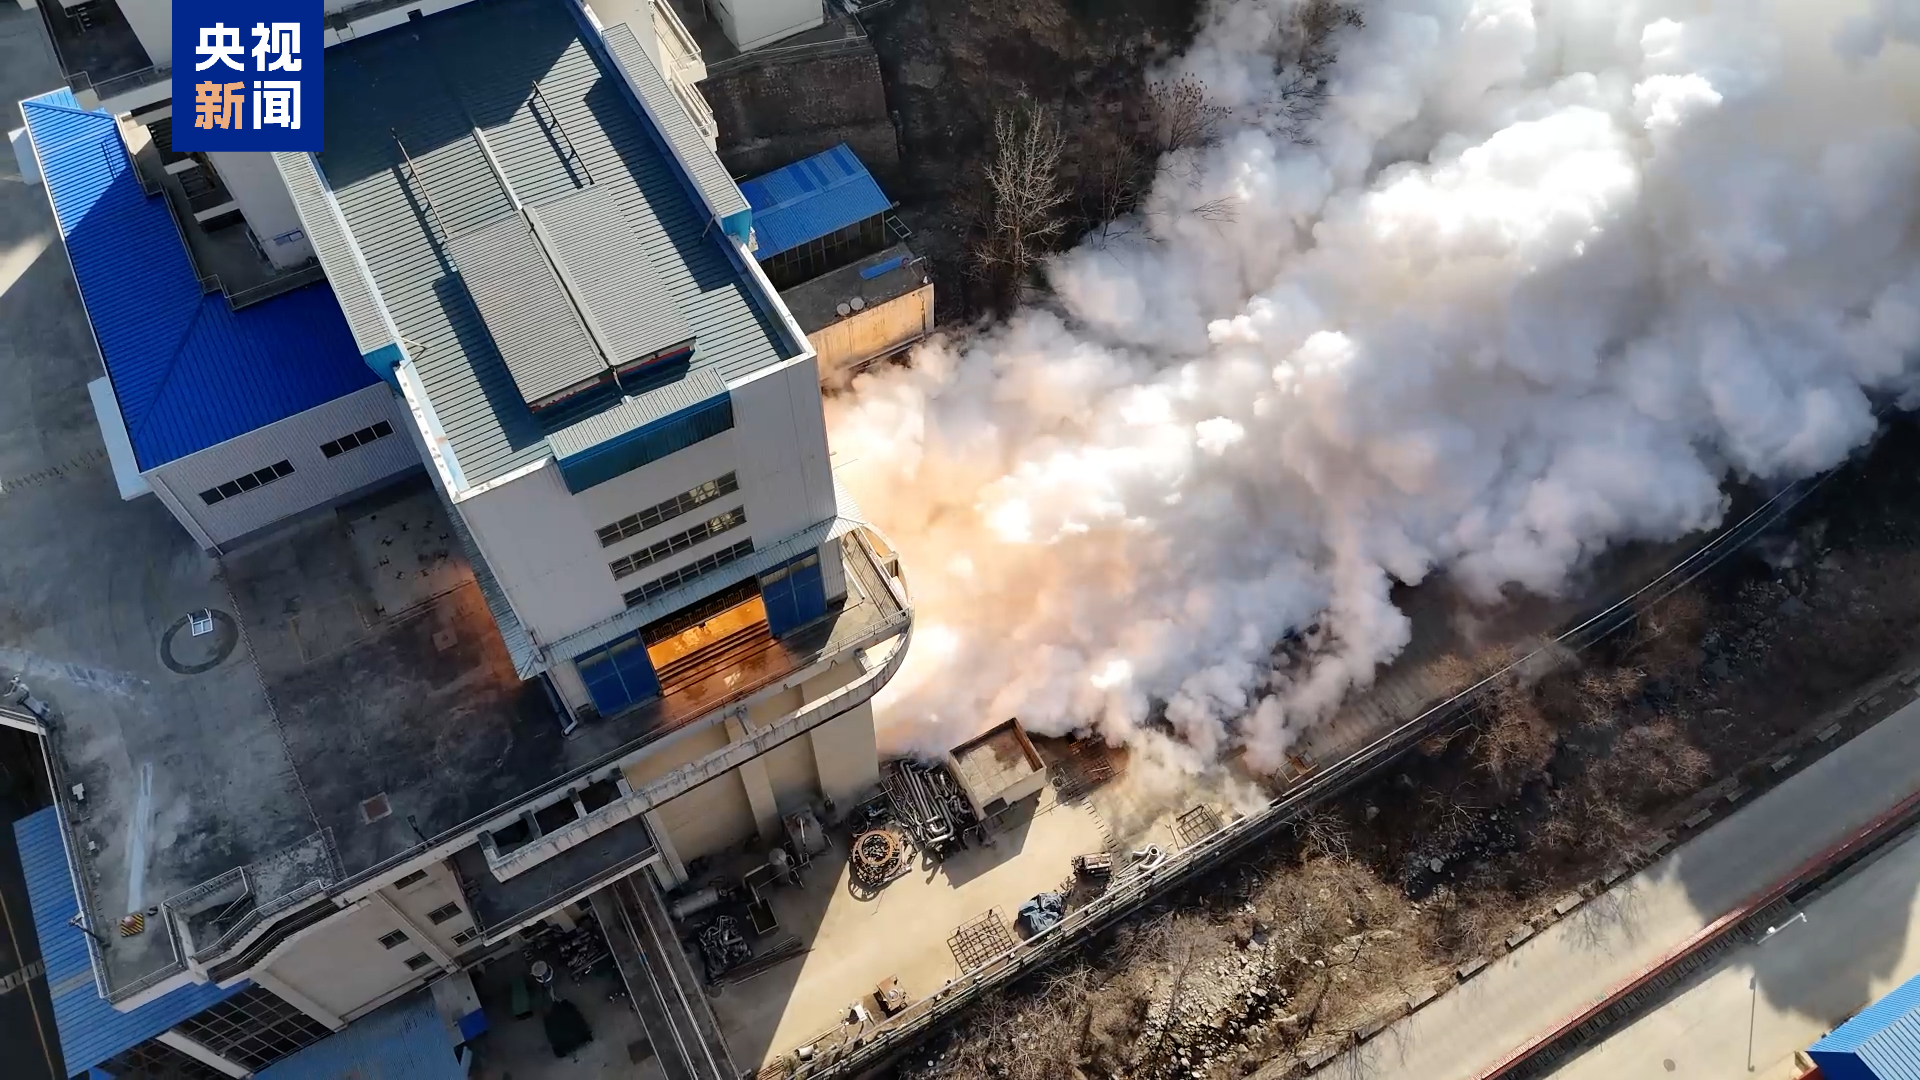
(1745, 1016)
(853, 943)
(518, 1049)
(1580, 960)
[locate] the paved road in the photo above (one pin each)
(1744, 1017)
(1581, 959)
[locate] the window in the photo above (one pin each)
(443, 913)
(619, 456)
(661, 584)
(410, 880)
(247, 483)
(826, 253)
(393, 939)
(466, 935)
(359, 438)
(418, 960)
(253, 1028)
(664, 512)
(678, 542)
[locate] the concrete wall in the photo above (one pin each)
(750, 24)
(341, 965)
(846, 756)
(778, 111)
(416, 900)
(256, 185)
(792, 774)
(152, 22)
(317, 480)
(875, 331)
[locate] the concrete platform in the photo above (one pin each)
(1745, 1016)
(1631, 928)
(852, 943)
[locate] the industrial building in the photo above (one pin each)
(828, 239)
(1880, 1042)
(524, 567)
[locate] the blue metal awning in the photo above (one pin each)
(810, 199)
(406, 1040)
(91, 1030)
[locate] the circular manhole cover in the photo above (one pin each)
(198, 642)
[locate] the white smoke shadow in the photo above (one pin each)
(1546, 274)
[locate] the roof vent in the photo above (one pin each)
(375, 808)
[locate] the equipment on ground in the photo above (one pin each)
(1043, 912)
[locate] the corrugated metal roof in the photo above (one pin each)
(811, 198)
(404, 1040)
(189, 372)
(539, 334)
(91, 1031)
(1884, 1036)
(637, 412)
(346, 270)
(493, 51)
(627, 308)
(722, 196)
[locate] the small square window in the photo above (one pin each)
(410, 880)
(418, 960)
(331, 449)
(231, 488)
(211, 496)
(443, 913)
(249, 481)
(282, 468)
(382, 429)
(393, 940)
(466, 935)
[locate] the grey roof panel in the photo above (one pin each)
(627, 308)
(637, 412)
(525, 306)
(722, 194)
(346, 271)
(495, 49)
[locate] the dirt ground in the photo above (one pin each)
(1380, 895)
(951, 65)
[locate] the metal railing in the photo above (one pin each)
(871, 1050)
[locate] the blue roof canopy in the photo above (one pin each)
(811, 198)
(406, 1040)
(189, 372)
(91, 1031)
(1881, 1042)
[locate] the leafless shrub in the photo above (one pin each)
(1025, 218)
(1652, 763)
(1307, 35)
(1321, 831)
(1513, 740)
(1182, 115)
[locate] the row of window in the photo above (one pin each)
(359, 438)
(678, 542)
(661, 584)
(279, 469)
(635, 524)
(257, 478)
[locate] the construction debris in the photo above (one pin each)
(927, 802)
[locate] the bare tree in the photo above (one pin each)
(1025, 217)
(1182, 115)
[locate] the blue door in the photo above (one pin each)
(795, 594)
(619, 675)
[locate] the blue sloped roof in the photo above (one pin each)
(1882, 1041)
(811, 198)
(188, 371)
(405, 1040)
(91, 1031)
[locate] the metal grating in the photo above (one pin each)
(1196, 825)
(978, 941)
(628, 310)
(526, 309)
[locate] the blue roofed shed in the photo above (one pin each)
(1881, 1042)
(91, 1031)
(811, 198)
(405, 1040)
(188, 371)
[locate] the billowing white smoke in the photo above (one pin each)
(1547, 272)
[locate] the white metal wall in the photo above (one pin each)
(783, 452)
(750, 24)
(256, 185)
(341, 964)
(540, 540)
(317, 480)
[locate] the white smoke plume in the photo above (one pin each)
(1544, 275)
